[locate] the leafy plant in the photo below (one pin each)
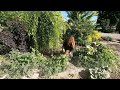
(56, 64)
(95, 35)
(45, 27)
(99, 73)
(108, 38)
(30, 18)
(94, 55)
(80, 41)
(2, 58)
(19, 64)
(50, 28)
(81, 26)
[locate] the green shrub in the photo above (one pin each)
(56, 64)
(81, 28)
(30, 18)
(99, 73)
(2, 58)
(94, 36)
(80, 41)
(50, 27)
(108, 38)
(21, 64)
(94, 55)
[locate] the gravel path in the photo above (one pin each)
(114, 45)
(72, 72)
(113, 35)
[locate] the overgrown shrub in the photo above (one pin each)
(81, 29)
(45, 31)
(6, 42)
(94, 55)
(56, 64)
(16, 37)
(50, 27)
(30, 18)
(88, 38)
(20, 64)
(20, 34)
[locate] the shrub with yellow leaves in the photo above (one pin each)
(95, 35)
(89, 38)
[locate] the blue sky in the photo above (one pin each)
(64, 14)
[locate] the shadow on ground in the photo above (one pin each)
(84, 74)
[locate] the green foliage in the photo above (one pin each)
(94, 55)
(48, 25)
(80, 41)
(81, 25)
(107, 20)
(107, 30)
(20, 64)
(29, 17)
(7, 15)
(99, 73)
(50, 28)
(108, 38)
(91, 37)
(56, 64)
(45, 30)
(83, 30)
(95, 35)
(2, 58)
(80, 14)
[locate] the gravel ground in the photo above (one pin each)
(113, 35)
(72, 72)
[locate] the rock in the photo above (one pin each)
(4, 76)
(24, 77)
(84, 74)
(107, 74)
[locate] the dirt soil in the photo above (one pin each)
(115, 36)
(72, 72)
